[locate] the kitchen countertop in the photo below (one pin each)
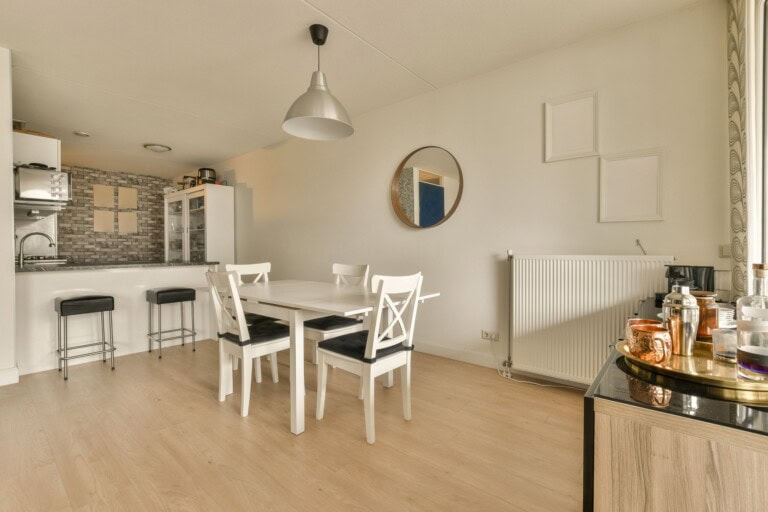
(109, 265)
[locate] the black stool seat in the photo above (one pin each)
(170, 295)
(84, 304)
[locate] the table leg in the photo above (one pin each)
(297, 371)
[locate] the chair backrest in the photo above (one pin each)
(394, 313)
(250, 273)
(351, 274)
(226, 303)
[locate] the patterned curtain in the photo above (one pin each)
(737, 123)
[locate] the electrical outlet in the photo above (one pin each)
(725, 250)
(489, 335)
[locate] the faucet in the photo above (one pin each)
(24, 239)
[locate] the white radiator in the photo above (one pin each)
(565, 311)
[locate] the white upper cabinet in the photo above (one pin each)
(28, 148)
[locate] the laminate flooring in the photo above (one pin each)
(152, 436)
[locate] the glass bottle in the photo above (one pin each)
(752, 327)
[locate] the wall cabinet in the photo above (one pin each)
(200, 224)
(29, 148)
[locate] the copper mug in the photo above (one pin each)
(639, 321)
(651, 343)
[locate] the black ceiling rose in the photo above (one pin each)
(319, 33)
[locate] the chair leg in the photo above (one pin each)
(257, 366)
(314, 352)
(225, 372)
(235, 363)
(231, 375)
(322, 381)
(368, 389)
(360, 389)
(149, 337)
(245, 387)
(389, 379)
(273, 362)
(405, 383)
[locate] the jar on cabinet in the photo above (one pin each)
(708, 313)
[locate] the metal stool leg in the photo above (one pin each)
(66, 361)
(58, 340)
(149, 336)
(160, 330)
(111, 341)
(103, 341)
(183, 334)
(194, 332)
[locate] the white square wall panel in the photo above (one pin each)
(631, 186)
(570, 127)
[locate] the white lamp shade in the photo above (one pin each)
(317, 115)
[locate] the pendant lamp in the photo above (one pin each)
(317, 114)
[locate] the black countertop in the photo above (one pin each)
(108, 265)
(678, 397)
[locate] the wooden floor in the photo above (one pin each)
(152, 436)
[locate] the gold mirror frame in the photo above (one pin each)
(395, 190)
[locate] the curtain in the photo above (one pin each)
(745, 138)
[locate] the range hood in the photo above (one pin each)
(34, 210)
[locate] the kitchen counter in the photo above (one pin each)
(31, 267)
(36, 292)
(637, 431)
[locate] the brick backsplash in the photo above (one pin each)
(76, 238)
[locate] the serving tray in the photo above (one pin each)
(720, 377)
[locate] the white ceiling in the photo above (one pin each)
(214, 79)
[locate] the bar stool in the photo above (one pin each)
(80, 306)
(160, 296)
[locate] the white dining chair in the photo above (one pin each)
(385, 346)
(238, 339)
(328, 327)
(255, 273)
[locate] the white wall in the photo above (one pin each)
(662, 83)
(9, 374)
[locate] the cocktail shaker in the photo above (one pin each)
(681, 318)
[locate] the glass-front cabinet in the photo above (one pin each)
(199, 224)
(174, 230)
(196, 209)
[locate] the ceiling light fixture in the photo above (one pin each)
(81, 134)
(157, 148)
(317, 114)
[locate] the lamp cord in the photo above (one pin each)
(318, 57)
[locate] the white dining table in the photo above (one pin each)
(297, 301)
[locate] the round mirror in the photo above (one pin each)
(427, 187)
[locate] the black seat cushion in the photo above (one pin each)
(329, 323)
(259, 333)
(253, 318)
(84, 304)
(353, 345)
(170, 295)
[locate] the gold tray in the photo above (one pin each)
(721, 378)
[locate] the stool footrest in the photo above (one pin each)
(157, 336)
(95, 352)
